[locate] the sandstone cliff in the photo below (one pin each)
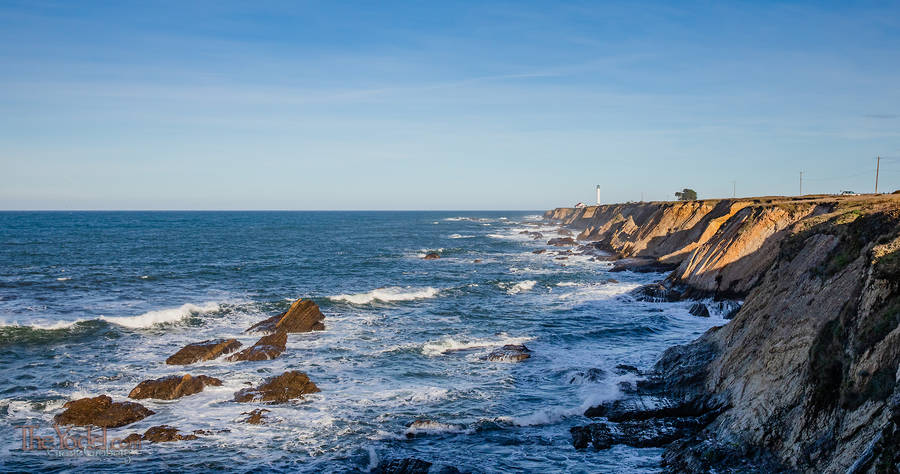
(805, 375)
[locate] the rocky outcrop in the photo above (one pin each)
(510, 353)
(562, 242)
(266, 348)
(172, 387)
(206, 350)
(303, 316)
(287, 386)
(805, 376)
(431, 256)
(256, 417)
(165, 434)
(101, 412)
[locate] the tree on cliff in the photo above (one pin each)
(686, 194)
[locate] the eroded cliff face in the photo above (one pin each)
(805, 376)
(720, 247)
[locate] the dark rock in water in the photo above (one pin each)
(165, 434)
(561, 241)
(623, 369)
(477, 260)
(539, 251)
(426, 426)
(589, 375)
(266, 348)
(256, 417)
(561, 258)
(172, 387)
(699, 309)
(280, 389)
(651, 433)
(728, 308)
(101, 412)
(565, 232)
(431, 256)
(656, 293)
(597, 434)
(642, 265)
(206, 350)
(510, 353)
(647, 407)
(302, 316)
(404, 466)
(412, 466)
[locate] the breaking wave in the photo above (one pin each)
(387, 295)
(449, 344)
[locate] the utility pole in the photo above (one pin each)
(801, 183)
(877, 166)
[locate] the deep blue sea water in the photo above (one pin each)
(94, 302)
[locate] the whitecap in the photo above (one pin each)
(161, 316)
(434, 427)
(63, 279)
(387, 295)
(449, 344)
(519, 287)
(459, 236)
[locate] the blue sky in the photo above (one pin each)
(440, 105)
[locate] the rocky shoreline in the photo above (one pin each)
(805, 376)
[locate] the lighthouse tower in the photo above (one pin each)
(598, 194)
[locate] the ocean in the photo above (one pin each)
(93, 303)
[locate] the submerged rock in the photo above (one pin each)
(280, 389)
(431, 256)
(404, 466)
(590, 375)
(303, 316)
(656, 293)
(562, 242)
(172, 387)
(538, 251)
(101, 412)
(266, 348)
(699, 309)
(510, 353)
(425, 427)
(206, 350)
(650, 433)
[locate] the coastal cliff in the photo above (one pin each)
(804, 378)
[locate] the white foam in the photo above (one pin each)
(63, 279)
(434, 427)
(388, 294)
(373, 456)
(45, 325)
(449, 344)
(598, 394)
(161, 316)
(458, 236)
(520, 286)
(568, 283)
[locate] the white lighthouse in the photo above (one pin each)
(598, 194)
